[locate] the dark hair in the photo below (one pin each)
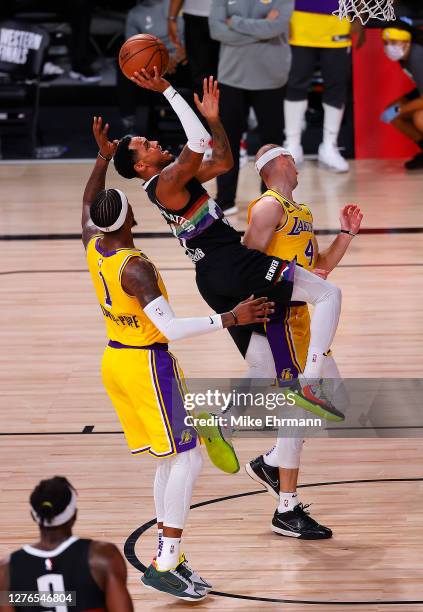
(50, 497)
(105, 208)
(124, 158)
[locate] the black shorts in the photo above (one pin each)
(232, 275)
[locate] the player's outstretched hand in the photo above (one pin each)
(350, 218)
(106, 147)
(153, 83)
(254, 310)
(209, 105)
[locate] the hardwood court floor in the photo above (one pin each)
(52, 340)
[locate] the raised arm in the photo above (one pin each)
(139, 279)
(221, 160)
(266, 215)
(350, 219)
(97, 179)
(108, 569)
(176, 175)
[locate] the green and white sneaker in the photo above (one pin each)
(191, 574)
(220, 451)
(174, 583)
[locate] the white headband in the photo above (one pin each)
(59, 519)
(269, 155)
(122, 216)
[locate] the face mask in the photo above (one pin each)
(394, 52)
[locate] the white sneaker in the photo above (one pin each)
(50, 69)
(233, 210)
(296, 152)
(331, 159)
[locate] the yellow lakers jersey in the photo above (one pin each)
(317, 29)
(125, 319)
(295, 238)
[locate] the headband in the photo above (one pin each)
(396, 34)
(269, 155)
(59, 519)
(122, 215)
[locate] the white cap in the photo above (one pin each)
(269, 155)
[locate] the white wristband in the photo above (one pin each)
(198, 137)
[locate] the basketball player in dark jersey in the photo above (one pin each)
(60, 562)
(225, 269)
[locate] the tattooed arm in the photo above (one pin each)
(174, 177)
(221, 160)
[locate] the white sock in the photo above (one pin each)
(168, 555)
(287, 501)
(332, 124)
(294, 117)
(314, 365)
(160, 541)
(271, 458)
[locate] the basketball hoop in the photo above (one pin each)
(365, 10)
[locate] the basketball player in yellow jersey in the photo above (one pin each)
(280, 227)
(142, 378)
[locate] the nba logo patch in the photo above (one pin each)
(186, 437)
(49, 565)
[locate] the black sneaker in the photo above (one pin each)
(297, 523)
(174, 583)
(187, 572)
(416, 163)
(266, 475)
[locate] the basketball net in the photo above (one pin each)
(365, 10)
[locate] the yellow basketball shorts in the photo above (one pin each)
(293, 338)
(146, 386)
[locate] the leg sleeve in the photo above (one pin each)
(184, 471)
(326, 299)
(160, 483)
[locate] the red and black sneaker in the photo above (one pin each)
(312, 398)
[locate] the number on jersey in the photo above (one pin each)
(309, 252)
(52, 583)
(107, 298)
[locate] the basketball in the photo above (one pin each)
(143, 51)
